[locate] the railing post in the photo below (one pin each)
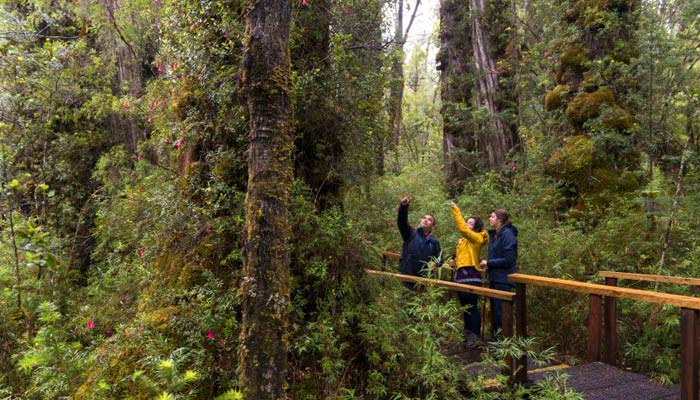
(521, 331)
(594, 324)
(507, 331)
(611, 325)
(689, 354)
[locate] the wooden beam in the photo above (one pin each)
(689, 354)
(390, 254)
(612, 291)
(481, 291)
(651, 278)
(610, 325)
(507, 330)
(595, 321)
(521, 331)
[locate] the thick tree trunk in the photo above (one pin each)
(459, 135)
(264, 288)
(498, 137)
(475, 58)
(319, 149)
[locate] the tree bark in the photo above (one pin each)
(456, 81)
(498, 137)
(264, 287)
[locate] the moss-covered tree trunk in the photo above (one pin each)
(264, 287)
(596, 143)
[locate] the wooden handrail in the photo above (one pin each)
(390, 254)
(650, 278)
(459, 287)
(609, 291)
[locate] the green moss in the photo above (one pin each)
(574, 56)
(588, 105)
(573, 160)
(618, 118)
(554, 98)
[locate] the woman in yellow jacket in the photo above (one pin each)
(467, 269)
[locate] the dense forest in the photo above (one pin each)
(193, 189)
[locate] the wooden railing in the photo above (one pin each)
(507, 303)
(690, 307)
(614, 276)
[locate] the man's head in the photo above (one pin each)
(427, 223)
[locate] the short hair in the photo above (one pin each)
(434, 220)
(503, 216)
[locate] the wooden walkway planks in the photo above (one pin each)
(598, 381)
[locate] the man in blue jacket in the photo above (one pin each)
(419, 246)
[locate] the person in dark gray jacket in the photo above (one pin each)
(502, 257)
(419, 245)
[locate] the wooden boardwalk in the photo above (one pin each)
(596, 381)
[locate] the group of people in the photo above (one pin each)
(421, 249)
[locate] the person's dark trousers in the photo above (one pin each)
(496, 304)
(472, 317)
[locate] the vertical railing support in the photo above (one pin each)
(594, 325)
(507, 330)
(611, 325)
(689, 354)
(521, 331)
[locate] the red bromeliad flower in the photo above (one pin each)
(90, 324)
(166, 140)
(174, 65)
(142, 250)
(150, 119)
(180, 142)
(138, 157)
(304, 3)
(207, 229)
(210, 334)
(387, 223)
(160, 68)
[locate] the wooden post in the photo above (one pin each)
(611, 325)
(594, 324)
(689, 354)
(507, 330)
(521, 331)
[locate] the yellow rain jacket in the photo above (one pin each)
(469, 245)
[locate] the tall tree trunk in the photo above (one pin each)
(319, 148)
(459, 142)
(264, 286)
(498, 137)
(397, 78)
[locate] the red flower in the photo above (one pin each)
(90, 324)
(142, 250)
(160, 68)
(166, 140)
(388, 223)
(150, 119)
(546, 53)
(125, 105)
(138, 157)
(108, 332)
(174, 65)
(180, 142)
(210, 335)
(207, 229)
(304, 3)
